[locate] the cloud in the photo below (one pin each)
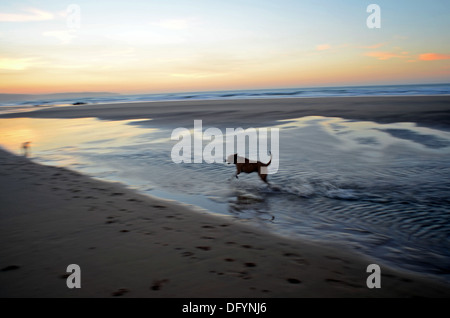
(64, 36)
(381, 55)
(32, 14)
(433, 56)
(374, 46)
(385, 55)
(15, 64)
(323, 47)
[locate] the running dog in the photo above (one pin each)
(247, 166)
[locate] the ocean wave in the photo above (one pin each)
(392, 90)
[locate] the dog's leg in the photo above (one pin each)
(238, 171)
(235, 175)
(263, 177)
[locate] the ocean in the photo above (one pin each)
(379, 189)
(34, 102)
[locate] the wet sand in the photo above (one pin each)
(129, 245)
(430, 111)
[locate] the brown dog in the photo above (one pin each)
(247, 166)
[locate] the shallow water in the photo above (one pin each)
(380, 189)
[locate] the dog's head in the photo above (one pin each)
(232, 159)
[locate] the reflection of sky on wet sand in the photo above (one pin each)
(53, 134)
(89, 133)
(350, 134)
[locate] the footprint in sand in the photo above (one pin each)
(240, 274)
(187, 254)
(120, 292)
(262, 290)
(10, 268)
(338, 282)
(293, 281)
(157, 284)
(296, 258)
(250, 264)
(335, 258)
(65, 276)
(204, 248)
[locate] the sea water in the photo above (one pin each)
(15, 103)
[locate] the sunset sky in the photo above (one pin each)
(162, 46)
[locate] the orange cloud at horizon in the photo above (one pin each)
(381, 55)
(433, 57)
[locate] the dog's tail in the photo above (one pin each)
(270, 161)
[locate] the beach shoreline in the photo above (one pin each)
(132, 245)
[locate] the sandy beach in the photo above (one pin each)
(131, 245)
(135, 246)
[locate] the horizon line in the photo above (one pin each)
(222, 90)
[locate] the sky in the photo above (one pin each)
(199, 45)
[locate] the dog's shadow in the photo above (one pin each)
(249, 201)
